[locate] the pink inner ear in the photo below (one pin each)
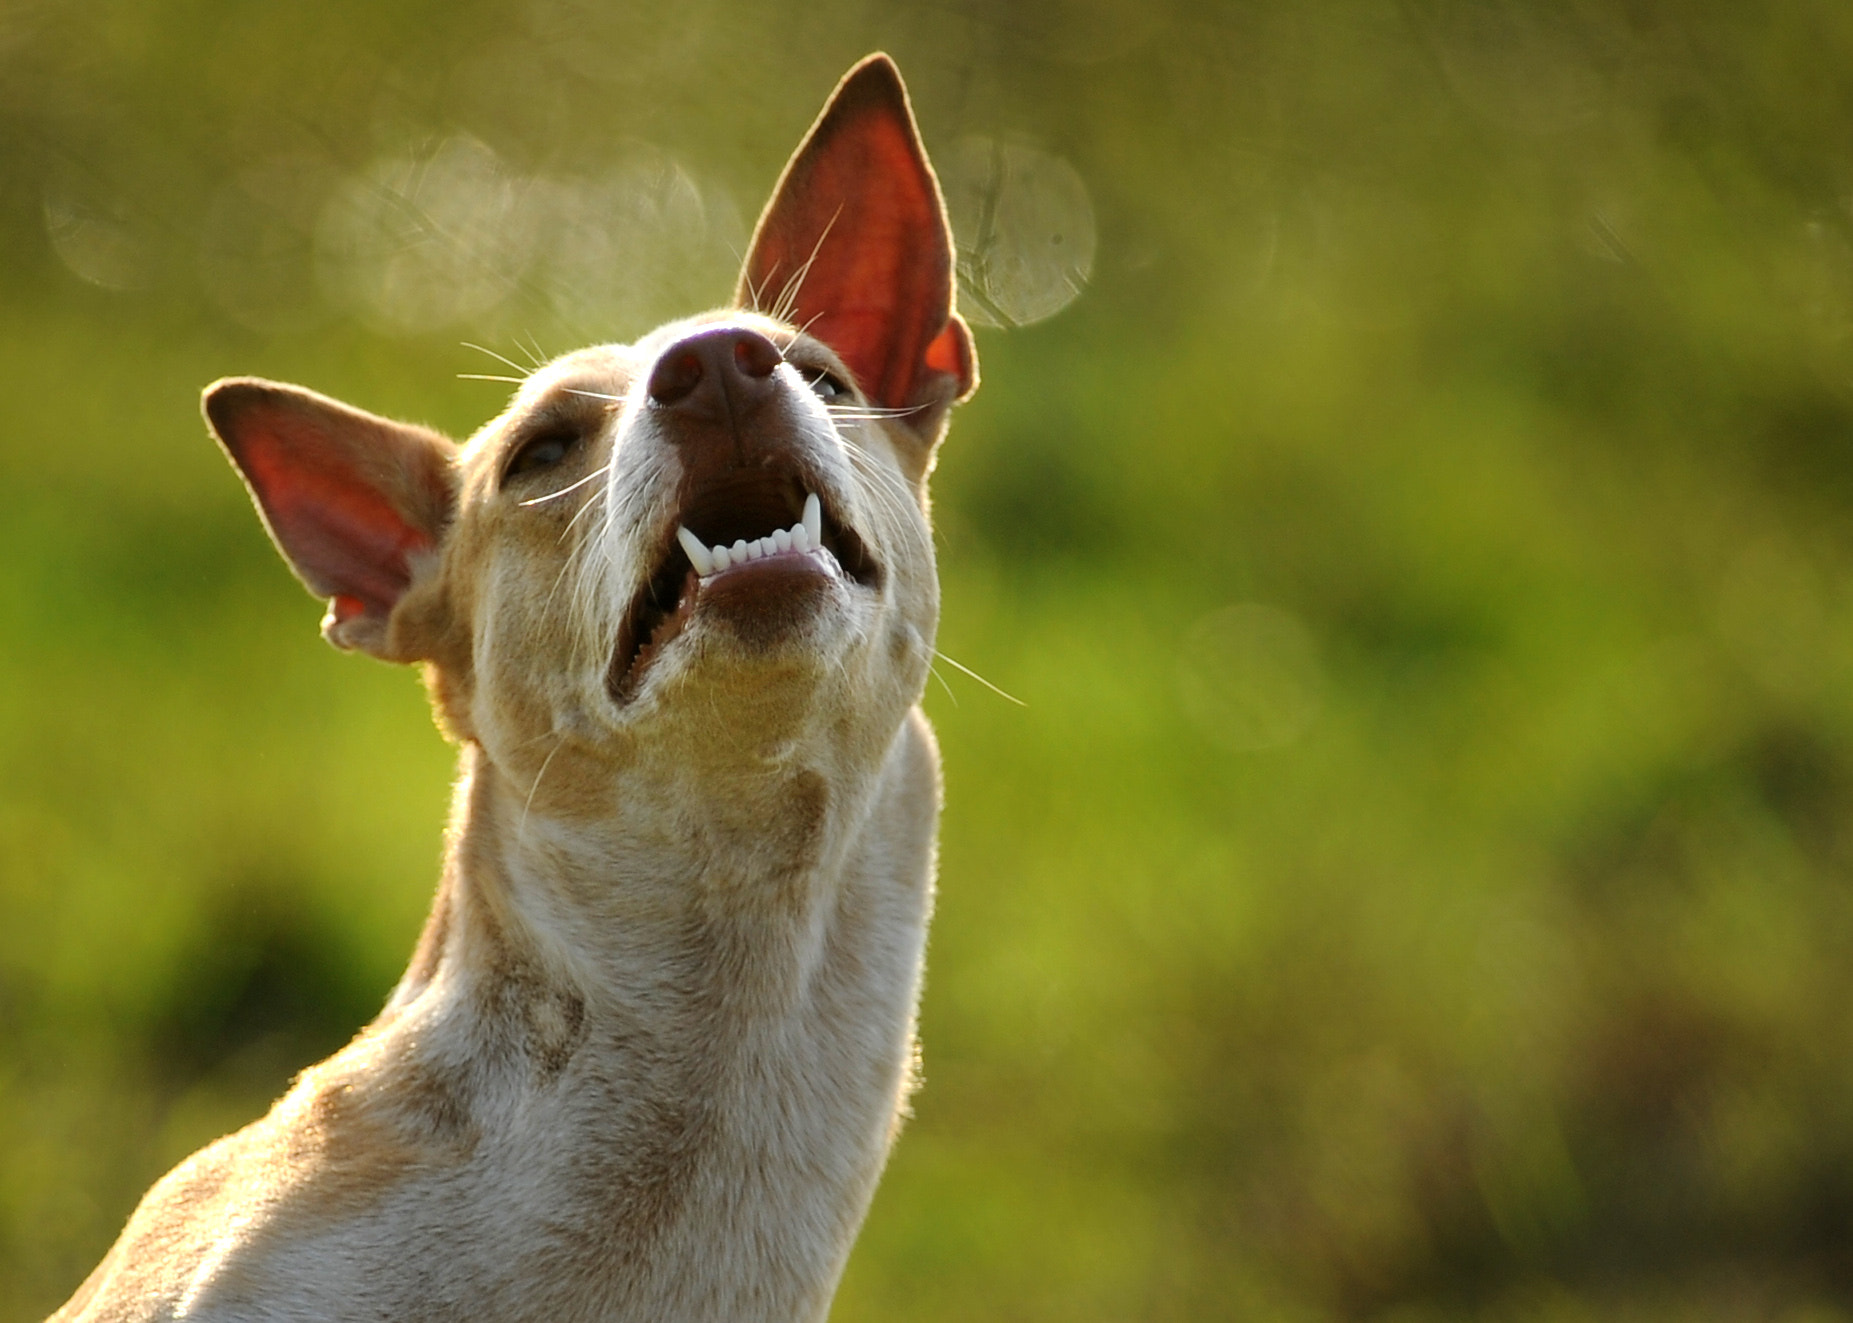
(345, 539)
(854, 245)
(951, 353)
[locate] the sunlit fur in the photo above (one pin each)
(658, 1034)
(658, 1037)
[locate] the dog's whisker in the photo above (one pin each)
(787, 302)
(890, 482)
(558, 579)
(486, 376)
(593, 476)
(590, 502)
(809, 322)
(870, 410)
(934, 672)
(979, 678)
(596, 395)
(755, 289)
(500, 358)
(521, 830)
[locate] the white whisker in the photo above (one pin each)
(859, 413)
(522, 828)
(787, 301)
(593, 476)
(979, 678)
(500, 358)
(934, 672)
(891, 482)
(809, 322)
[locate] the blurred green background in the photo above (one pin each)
(1410, 492)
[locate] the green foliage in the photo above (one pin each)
(1417, 887)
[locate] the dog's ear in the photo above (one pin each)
(854, 246)
(356, 503)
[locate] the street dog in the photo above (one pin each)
(676, 605)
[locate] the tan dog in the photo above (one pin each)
(677, 605)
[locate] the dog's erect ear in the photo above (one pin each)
(354, 502)
(854, 247)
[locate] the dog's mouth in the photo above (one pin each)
(757, 537)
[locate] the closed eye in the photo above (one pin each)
(539, 452)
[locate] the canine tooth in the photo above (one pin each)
(722, 558)
(698, 554)
(814, 519)
(782, 539)
(800, 538)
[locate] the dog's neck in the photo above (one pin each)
(742, 998)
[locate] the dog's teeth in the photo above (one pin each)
(814, 519)
(768, 546)
(782, 539)
(698, 553)
(800, 538)
(738, 549)
(722, 558)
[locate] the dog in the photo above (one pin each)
(676, 604)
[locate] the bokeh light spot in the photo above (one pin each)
(1025, 227)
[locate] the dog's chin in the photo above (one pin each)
(764, 613)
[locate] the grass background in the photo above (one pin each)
(1417, 887)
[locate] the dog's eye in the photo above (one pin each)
(540, 452)
(828, 386)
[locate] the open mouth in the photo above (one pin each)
(761, 533)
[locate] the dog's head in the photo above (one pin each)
(713, 540)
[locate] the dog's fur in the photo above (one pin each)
(657, 1036)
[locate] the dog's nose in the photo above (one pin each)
(725, 370)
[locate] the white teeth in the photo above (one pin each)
(802, 536)
(698, 554)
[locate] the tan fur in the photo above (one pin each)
(657, 1035)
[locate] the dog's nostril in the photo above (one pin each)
(755, 355)
(675, 376)
(720, 363)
